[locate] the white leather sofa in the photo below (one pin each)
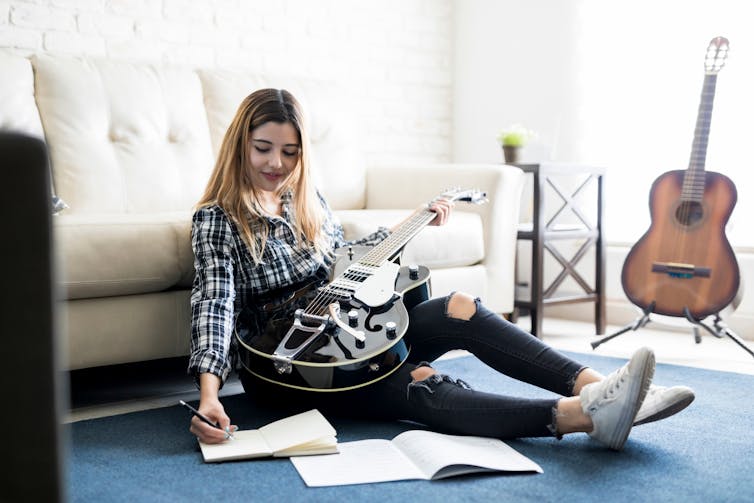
(131, 147)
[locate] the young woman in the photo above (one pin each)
(261, 226)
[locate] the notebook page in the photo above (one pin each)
(360, 462)
(296, 430)
(432, 452)
(244, 444)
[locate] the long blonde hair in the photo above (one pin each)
(231, 188)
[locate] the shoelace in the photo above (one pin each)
(613, 382)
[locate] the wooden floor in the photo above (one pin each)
(108, 391)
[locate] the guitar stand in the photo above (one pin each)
(719, 329)
(636, 325)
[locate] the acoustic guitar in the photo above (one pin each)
(684, 265)
(346, 332)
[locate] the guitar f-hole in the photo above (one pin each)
(378, 310)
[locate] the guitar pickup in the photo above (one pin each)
(683, 271)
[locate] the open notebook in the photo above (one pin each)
(415, 454)
(299, 435)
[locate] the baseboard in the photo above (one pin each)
(620, 313)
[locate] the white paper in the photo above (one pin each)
(308, 432)
(445, 455)
(414, 454)
(361, 462)
(244, 444)
(297, 430)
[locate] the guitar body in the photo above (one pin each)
(334, 360)
(684, 261)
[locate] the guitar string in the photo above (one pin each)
(375, 256)
(322, 301)
(694, 180)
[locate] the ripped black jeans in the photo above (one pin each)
(441, 402)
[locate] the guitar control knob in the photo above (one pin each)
(353, 317)
(390, 330)
(413, 271)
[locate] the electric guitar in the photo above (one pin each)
(347, 332)
(684, 265)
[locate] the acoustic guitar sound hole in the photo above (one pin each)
(689, 213)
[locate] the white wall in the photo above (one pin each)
(392, 58)
(615, 84)
(433, 80)
(513, 64)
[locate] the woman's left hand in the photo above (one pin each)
(442, 208)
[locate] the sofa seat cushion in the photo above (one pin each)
(458, 243)
(121, 254)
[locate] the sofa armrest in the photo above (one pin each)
(390, 187)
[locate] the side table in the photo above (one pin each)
(543, 234)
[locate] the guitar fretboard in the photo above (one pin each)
(694, 179)
(398, 239)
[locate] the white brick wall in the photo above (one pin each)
(392, 58)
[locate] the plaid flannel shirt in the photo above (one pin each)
(227, 279)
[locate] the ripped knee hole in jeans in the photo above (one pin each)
(433, 381)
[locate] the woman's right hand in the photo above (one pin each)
(212, 409)
(215, 412)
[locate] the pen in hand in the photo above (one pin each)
(205, 419)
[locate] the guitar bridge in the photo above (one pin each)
(681, 271)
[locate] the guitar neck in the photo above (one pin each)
(352, 278)
(693, 184)
(391, 245)
(375, 260)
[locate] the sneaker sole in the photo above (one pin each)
(674, 408)
(626, 422)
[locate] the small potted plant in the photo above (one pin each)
(512, 139)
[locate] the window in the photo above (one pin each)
(640, 71)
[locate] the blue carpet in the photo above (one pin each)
(702, 454)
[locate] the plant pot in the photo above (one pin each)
(511, 154)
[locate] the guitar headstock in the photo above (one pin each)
(717, 51)
(473, 196)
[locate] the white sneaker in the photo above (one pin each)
(662, 402)
(614, 402)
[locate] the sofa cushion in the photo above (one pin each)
(124, 138)
(460, 242)
(106, 255)
(19, 110)
(339, 168)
